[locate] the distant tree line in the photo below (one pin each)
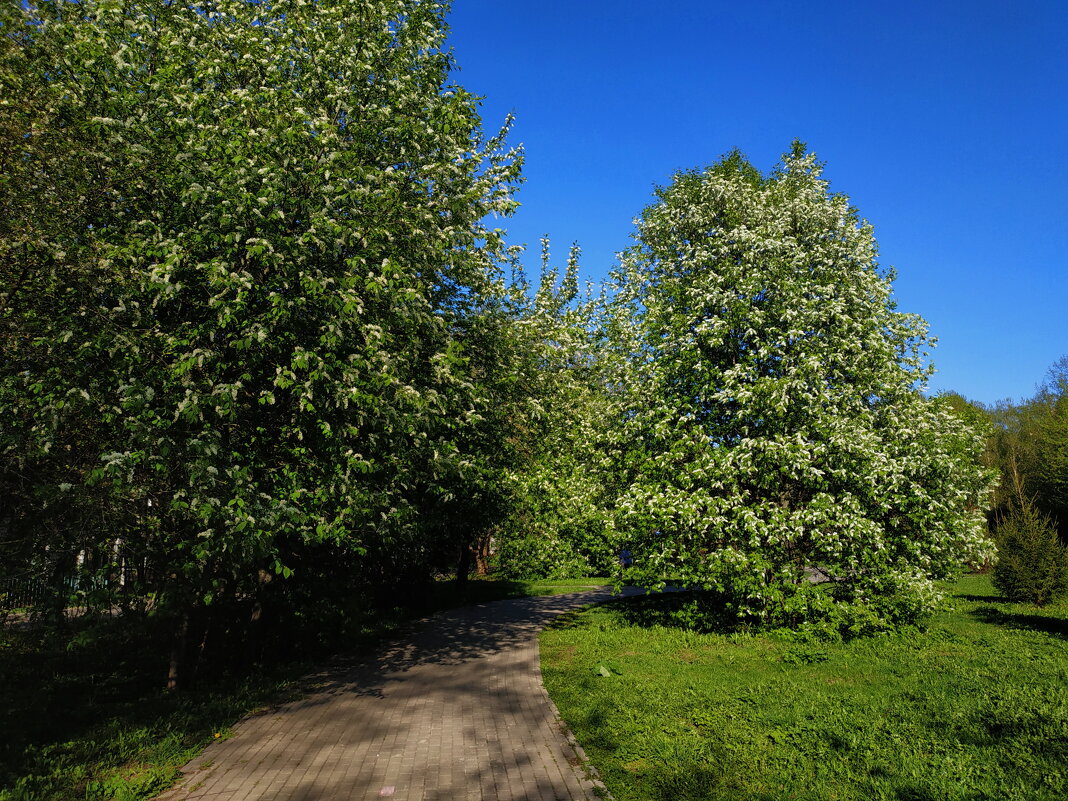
(1029, 447)
(264, 356)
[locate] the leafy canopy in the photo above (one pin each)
(246, 285)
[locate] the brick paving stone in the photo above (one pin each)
(454, 711)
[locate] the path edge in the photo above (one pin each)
(583, 768)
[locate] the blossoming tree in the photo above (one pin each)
(244, 252)
(772, 422)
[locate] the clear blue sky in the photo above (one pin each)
(945, 122)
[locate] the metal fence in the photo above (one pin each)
(22, 592)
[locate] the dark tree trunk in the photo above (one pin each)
(208, 621)
(254, 635)
(463, 567)
(179, 642)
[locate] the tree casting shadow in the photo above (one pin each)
(1057, 627)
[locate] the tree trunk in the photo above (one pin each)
(178, 647)
(463, 568)
(208, 621)
(253, 639)
(482, 554)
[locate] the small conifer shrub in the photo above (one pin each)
(1032, 563)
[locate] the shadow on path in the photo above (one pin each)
(453, 710)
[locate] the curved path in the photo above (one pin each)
(455, 711)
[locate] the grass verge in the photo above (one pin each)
(83, 714)
(975, 706)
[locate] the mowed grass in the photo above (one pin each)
(975, 706)
(83, 712)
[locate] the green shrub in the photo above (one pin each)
(540, 555)
(1032, 564)
(827, 612)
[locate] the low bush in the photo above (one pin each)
(829, 611)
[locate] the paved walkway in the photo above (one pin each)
(454, 712)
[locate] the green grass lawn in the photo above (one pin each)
(83, 714)
(973, 707)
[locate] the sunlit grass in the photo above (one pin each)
(973, 707)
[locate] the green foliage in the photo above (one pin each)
(770, 407)
(250, 307)
(972, 706)
(823, 612)
(1051, 468)
(558, 525)
(1027, 447)
(1032, 563)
